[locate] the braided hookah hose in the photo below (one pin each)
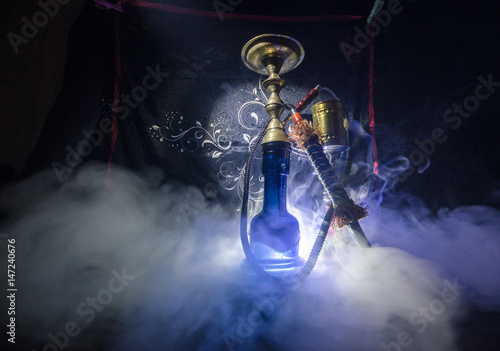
(345, 211)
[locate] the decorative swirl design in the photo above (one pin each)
(231, 176)
(253, 115)
(194, 137)
(225, 135)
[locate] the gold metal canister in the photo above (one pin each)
(329, 119)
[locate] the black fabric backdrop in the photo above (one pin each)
(427, 58)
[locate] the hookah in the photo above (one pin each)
(271, 244)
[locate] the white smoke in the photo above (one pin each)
(178, 256)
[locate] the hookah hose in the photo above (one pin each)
(323, 231)
(345, 211)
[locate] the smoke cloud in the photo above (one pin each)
(137, 264)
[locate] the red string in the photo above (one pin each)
(116, 96)
(237, 16)
(371, 108)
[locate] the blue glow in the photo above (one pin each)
(274, 232)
